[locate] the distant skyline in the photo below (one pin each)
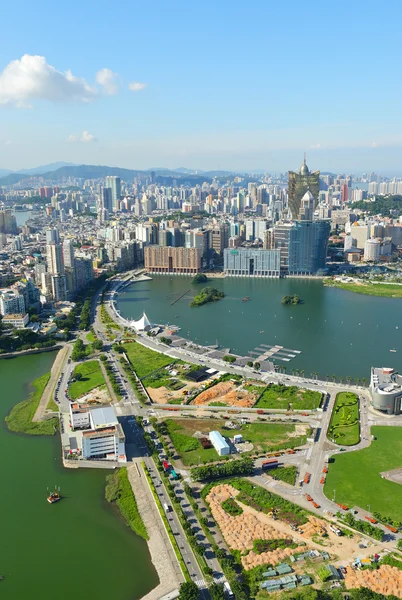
(208, 85)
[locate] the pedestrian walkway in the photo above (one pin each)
(48, 391)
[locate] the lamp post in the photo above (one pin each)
(368, 506)
(333, 499)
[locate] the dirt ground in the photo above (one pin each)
(226, 392)
(240, 532)
(386, 580)
(162, 395)
(97, 395)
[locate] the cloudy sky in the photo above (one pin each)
(209, 85)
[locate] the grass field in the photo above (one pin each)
(284, 397)
(286, 474)
(92, 377)
(370, 289)
(344, 426)
(264, 437)
(355, 476)
(20, 418)
(144, 360)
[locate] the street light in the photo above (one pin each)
(368, 506)
(333, 499)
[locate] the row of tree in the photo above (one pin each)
(231, 468)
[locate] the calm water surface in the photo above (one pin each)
(78, 548)
(338, 332)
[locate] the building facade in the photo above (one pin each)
(169, 260)
(248, 262)
(386, 390)
(299, 184)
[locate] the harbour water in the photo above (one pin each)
(78, 548)
(338, 332)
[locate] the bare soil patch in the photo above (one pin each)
(162, 395)
(386, 580)
(228, 393)
(241, 531)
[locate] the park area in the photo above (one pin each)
(288, 397)
(344, 427)
(185, 435)
(356, 476)
(143, 360)
(88, 376)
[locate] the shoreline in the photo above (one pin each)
(380, 289)
(31, 351)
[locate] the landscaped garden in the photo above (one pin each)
(88, 376)
(356, 476)
(144, 360)
(344, 427)
(288, 397)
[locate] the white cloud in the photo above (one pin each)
(374, 145)
(315, 146)
(108, 80)
(32, 78)
(136, 86)
(84, 137)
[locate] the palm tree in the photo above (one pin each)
(334, 378)
(364, 381)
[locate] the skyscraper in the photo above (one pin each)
(113, 183)
(299, 184)
(54, 256)
(68, 253)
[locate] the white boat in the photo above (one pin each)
(393, 350)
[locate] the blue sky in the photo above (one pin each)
(216, 85)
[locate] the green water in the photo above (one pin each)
(337, 332)
(77, 548)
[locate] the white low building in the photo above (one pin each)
(143, 324)
(19, 321)
(103, 437)
(219, 443)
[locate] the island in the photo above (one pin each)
(291, 299)
(207, 294)
(199, 278)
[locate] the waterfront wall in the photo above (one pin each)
(33, 351)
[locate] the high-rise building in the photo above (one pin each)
(8, 223)
(52, 236)
(11, 302)
(303, 246)
(59, 291)
(54, 255)
(299, 184)
(185, 261)
(68, 254)
(114, 184)
(372, 250)
(106, 202)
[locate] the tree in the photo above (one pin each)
(78, 376)
(217, 592)
(250, 363)
(188, 591)
(257, 366)
(166, 340)
(229, 358)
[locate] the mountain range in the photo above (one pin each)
(56, 171)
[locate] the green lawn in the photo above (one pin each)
(344, 427)
(144, 360)
(371, 289)
(92, 377)
(286, 474)
(356, 475)
(264, 437)
(20, 418)
(284, 397)
(90, 337)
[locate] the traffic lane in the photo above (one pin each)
(185, 551)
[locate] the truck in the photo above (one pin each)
(269, 464)
(307, 478)
(165, 465)
(371, 520)
(227, 590)
(260, 412)
(335, 530)
(343, 507)
(166, 507)
(393, 529)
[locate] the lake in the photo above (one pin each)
(77, 548)
(338, 332)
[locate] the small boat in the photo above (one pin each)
(393, 350)
(54, 496)
(246, 299)
(262, 331)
